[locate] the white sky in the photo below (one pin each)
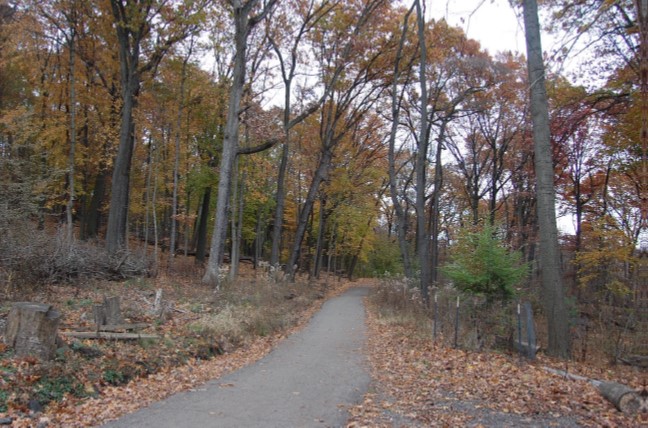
(491, 22)
(494, 24)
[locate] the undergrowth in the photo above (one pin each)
(205, 325)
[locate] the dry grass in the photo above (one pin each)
(199, 324)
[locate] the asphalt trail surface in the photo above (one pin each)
(307, 381)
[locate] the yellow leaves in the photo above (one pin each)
(604, 257)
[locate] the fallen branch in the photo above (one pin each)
(108, 335)
(635, 360)
(119, 327)
(624, 398)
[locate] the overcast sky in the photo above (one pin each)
(492, 22)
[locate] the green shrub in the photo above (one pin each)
(114, 377)
(3, 400)
(54, 388)
(481, 264)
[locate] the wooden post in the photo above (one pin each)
(32, 329)
(531, 335)
(519, 326)
(436, 316)
(456, 332)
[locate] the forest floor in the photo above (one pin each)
(419, 383)
(202, 335)
(205, 335)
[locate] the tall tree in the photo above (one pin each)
(349, 93)
(422, 232)
(176, 163)
(396, 104)
(550, 268)
(135, 23)
(288, 62)
(245, 19)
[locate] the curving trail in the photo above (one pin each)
(307, 381)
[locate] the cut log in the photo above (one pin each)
(108, 335)
(32, 329)
(120, 327)
(113, 311)
(99, 314)
(624, 398)
(115, 328)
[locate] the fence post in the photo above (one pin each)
(456, 332)
(519, 326)
(531, 335)
(436, 316)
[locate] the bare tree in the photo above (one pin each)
(288, 65)
(396, 101)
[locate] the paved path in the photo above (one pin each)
(307, 381)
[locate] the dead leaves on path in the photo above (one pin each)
(419, 384)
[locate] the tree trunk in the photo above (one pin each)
(32, 329)
(281, 203)
(201, 230)
(238, 204)
(72, 156)
(319, 246)
(434, 214)
(550, 268)
(422, 233)
(92, 220)
(320, 175)
(277, 226)
(147, 203)
(243, 24)
(119, 195)
(176, 160)
(401, 221)
(155, 161)
(259, 234)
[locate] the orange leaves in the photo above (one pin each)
(424, 384)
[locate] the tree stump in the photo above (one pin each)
(32, 329)
(108, 313)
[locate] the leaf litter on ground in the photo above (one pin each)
(158, 369)
(419, 383)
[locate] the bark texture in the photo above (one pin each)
(108, 313)
(549, 258)
(32, 329)
(422, 232)
(243, 22)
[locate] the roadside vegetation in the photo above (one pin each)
(197, 327)
(421, 381)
